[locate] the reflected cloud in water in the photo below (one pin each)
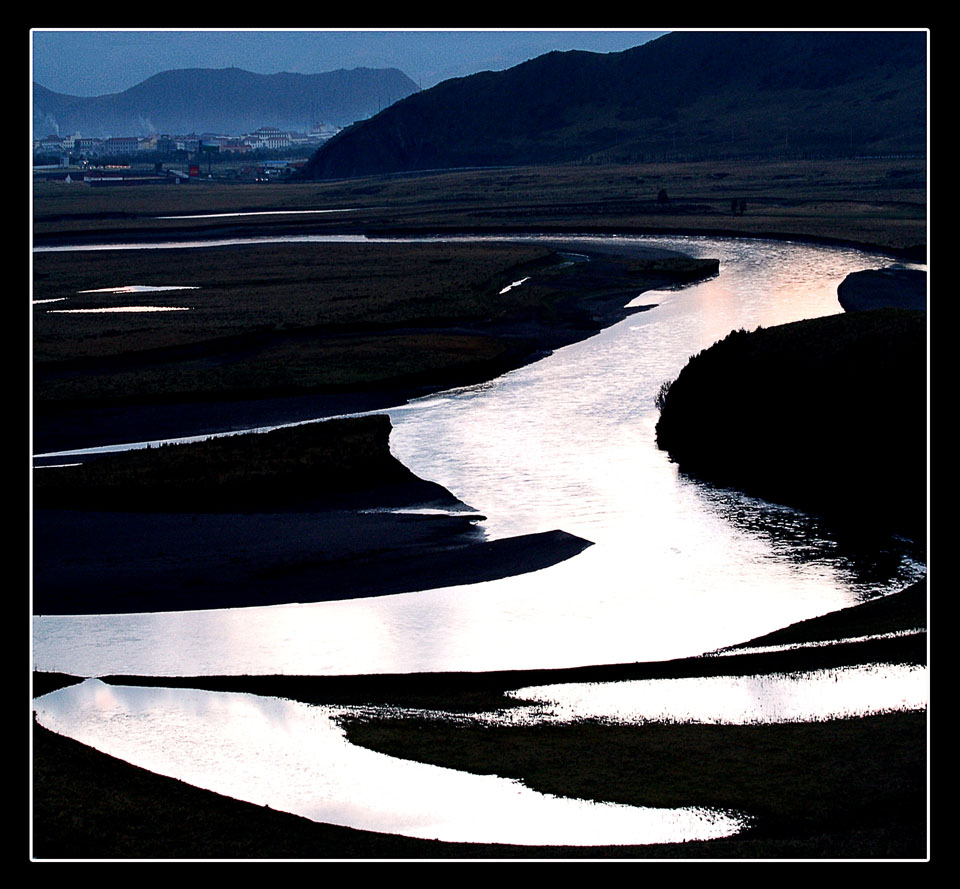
(295, 758)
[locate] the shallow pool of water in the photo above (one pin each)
(141, 288)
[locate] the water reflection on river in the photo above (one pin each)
(295, 758)
(217, 741)
(812, 696)
(568, 442)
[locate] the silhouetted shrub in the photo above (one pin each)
(662, 393)
(828, 415)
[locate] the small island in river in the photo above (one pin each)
(892, 288)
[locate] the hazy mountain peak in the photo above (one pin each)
(229, 100)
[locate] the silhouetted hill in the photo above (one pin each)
(227, 100)
(684, 95)
(827, 414)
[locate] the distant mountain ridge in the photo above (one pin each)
(227, 100)
(685, 95)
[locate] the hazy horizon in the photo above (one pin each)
(99, 62)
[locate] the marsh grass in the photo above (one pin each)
(283, 319)
(306, 318)
(256, 289)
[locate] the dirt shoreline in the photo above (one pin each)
(916, 253)
(130, 235)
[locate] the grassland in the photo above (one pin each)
(287, 321)
(274, 322)
(876, 202)
(263, 319)
(298, 514)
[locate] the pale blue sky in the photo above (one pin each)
(90, 63)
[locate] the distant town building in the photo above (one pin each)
(235, 146)
(120, 145)
(49, 145)
(55, 150)
(271, 138)
(86, 146)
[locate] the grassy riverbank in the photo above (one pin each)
(299, 514)
(312, 465)
(801, 414)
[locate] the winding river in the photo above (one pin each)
(678, 568)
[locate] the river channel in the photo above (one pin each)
(678, 567)
(568, 442)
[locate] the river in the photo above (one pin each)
(678, 567)
(567, 442)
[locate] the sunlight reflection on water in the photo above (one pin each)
(813, 696)
(294, 758)
(568, 442)
(140, 288)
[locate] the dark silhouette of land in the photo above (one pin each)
(684, 96)
(828, 414)
(294, 515)
(892, 288)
